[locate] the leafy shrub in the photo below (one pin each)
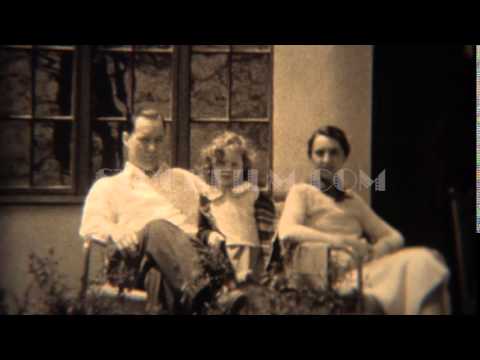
(271, 295)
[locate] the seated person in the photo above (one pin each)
(234, 211)
(150, 215)
(402, 281)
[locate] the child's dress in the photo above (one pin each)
(245, 216)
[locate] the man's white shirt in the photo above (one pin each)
(127, 202)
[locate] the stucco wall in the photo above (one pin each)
(28, 229)
(316, 85)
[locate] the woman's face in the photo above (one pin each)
(327, 156)
(228, 169)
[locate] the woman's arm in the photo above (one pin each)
(291, 225)
(385, 238)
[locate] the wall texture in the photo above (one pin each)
(25, 230)
(313, 85)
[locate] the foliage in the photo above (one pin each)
(271, 295)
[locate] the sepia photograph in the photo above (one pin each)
(238, 180)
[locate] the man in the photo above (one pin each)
(151, 215)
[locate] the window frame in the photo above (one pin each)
(44, 194)
(83, 113)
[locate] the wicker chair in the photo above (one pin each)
(135, 299)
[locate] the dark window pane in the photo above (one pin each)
(257, 134)
(112, 84)
(107, 147)
(97, 153)
(153, 82)
(252, 48)
(53, 88)
(14, 154)
(64, 140)
(209, 90)
(250, 84)
(15, 82)
(166, 149)
(52, 152)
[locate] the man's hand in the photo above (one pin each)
(216, 239)
(126, 241)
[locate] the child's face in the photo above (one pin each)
(228, 169)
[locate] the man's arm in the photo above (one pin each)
(204, 223)
(98, 218)
(208, 231)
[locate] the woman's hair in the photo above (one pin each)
(339, 135)
(332, 132)
(216, 150)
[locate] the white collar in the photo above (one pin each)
(214, 193)
(135, 173)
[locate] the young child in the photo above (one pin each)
(234, 211)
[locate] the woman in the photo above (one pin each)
(403, 281)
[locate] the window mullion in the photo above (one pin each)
(83, 117)
(229, 83)
(182, 121)
(34, 58)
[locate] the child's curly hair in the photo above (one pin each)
(216, 150)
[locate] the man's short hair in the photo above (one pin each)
(150, 114)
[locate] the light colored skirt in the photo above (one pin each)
(402, 281)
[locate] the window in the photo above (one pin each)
(65, 107)
(127, 78)
(36, 119)
(231, 89)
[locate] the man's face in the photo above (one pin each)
(327, 156)
(144, 143)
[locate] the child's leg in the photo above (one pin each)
(244, 260)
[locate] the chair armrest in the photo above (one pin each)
(112, 292)
(357, 261)
(359, 267)
(87, 250)
(273, 252)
